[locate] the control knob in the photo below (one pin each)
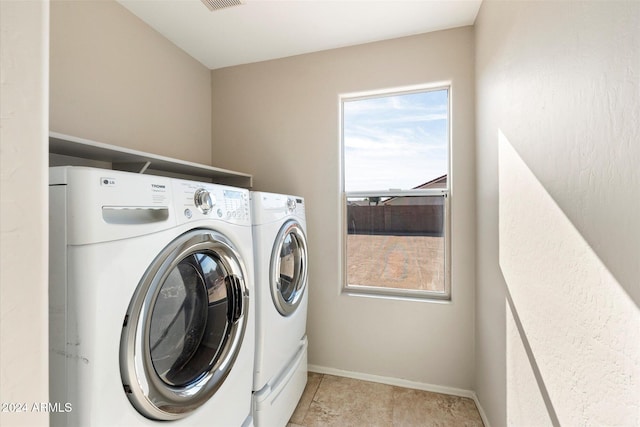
(204, 200)
(291, 204)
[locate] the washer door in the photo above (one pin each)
(289, 268)
(184, 326)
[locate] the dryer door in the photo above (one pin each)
(184, 326)
(289, 268)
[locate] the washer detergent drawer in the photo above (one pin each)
(275, 403)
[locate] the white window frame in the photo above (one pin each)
(396, 293)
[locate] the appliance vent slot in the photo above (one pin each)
(214, 5)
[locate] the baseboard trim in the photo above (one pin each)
(485, 420)
(403, 383)
(392, 381)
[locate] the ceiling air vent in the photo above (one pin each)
(214, 5)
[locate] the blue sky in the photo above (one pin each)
(397, 141)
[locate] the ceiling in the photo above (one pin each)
(259, 30)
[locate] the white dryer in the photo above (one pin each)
(280, 253)
(151, 309)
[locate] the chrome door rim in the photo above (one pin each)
(284, 307)
(149, 394)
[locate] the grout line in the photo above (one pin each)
(393, 404)
(315, 392)
(313, 399)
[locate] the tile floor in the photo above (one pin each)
(337, 401)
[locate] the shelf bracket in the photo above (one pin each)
(136, 167)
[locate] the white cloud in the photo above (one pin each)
(395, 142)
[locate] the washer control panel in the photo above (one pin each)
(199, 200)
(236, 204)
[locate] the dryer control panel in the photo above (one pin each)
(201, 200)
(272, 207)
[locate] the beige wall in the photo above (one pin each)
(117, 81)
(558, 107)
(279, 121)
(24, 53)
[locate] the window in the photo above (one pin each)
(395, 169)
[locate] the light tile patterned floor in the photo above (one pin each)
(337, 401)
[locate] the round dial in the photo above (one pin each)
(204, 200)
(291, 204)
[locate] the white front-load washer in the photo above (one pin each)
(151, 300)
(280, 254)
